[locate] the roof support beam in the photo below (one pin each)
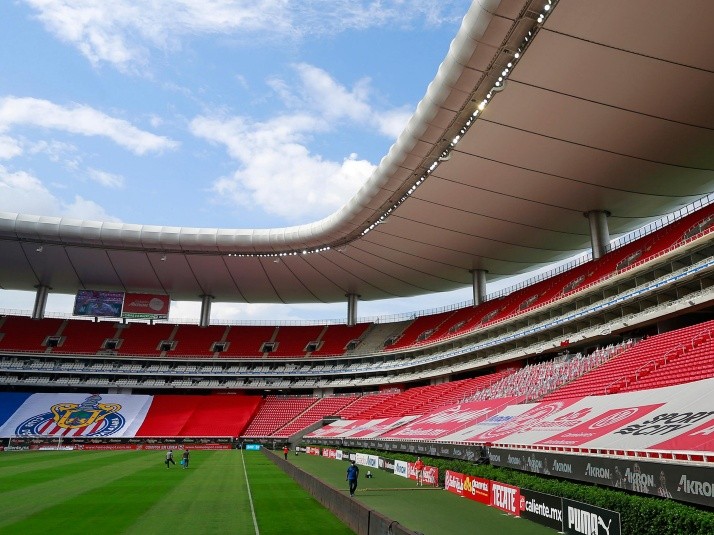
(478, 277)
(205, 319)
(352, 300)
(599, 232)
(38, 310)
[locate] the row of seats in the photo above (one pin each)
(432, 328)
(18, 333)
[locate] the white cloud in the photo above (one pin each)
(311, 186)
(391, 122)
(122, 32)
(22, 192)
(78, 119)
(106, 179)
(9, 148)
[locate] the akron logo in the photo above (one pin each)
(89, 418)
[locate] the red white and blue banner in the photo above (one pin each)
(78, 415)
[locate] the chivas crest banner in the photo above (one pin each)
(75, 415)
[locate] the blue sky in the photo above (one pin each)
(209, 113)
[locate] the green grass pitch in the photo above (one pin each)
(132, 492)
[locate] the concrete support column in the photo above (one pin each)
(38, 311)
(205, 319)
(478, 279)
(352, 308)
(599, 233)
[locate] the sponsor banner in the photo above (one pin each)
(198, 446)
(338, 455)
(250, 447)
(492, 422)
(98, 303)
(584, 519)
(438, 424)
(532, 418)
(401, 468)
(544, 509)
(101, 447)
(700, 438)
(372, 461)
(477, 489)
(667, 422)
(430, 474)
(386, 464)
(360, 428)
(326, 452)
(361, 458)
(333, 429)
(378, 427)
(506, 498)
(454, 482)
(151, 306)
(312, 450)
(599, 426)
(467, 453)
(686, 483)
(78, 415)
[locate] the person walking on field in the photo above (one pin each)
(419, 467)
(184, 458)
(169, 458)
(286, 450)
(352, 475)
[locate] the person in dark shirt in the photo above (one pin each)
(352, 475)
(184, 458)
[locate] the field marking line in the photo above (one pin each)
(250, 496)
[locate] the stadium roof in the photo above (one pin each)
(606, 106)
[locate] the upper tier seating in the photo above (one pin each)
(25, 334)
(335, 339)
(247, 341)
(421, 329)
(82, 336)
(144, 339)
(293, 341)
(198, 341)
